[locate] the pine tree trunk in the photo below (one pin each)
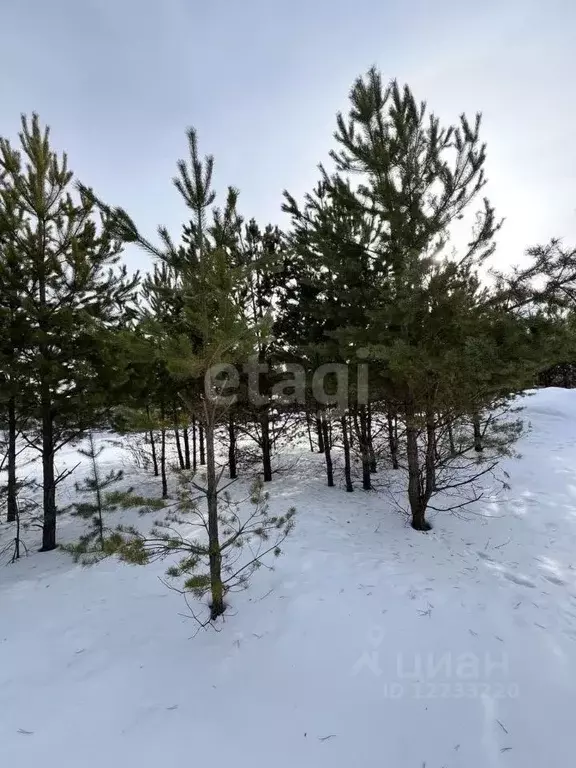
(16, 555)
(320, 434)
(431, 457)
(371, 452)
(163, 456)
(12, 499)
(216, 586)
(372, 456)
(266, 452)
(47, 417)
(419, 522)
(178, 442)
(417, 504)
(478, 447)
(362, 431)
(347, 464)
(201, 444)
(186, 447)
(194, 451)
(232, 448)
(327, 452)
(152, 446)
(392, 439)
(97, 490)
(308, 426)
(48, 477)
(154, 456)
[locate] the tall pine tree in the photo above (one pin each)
(72, 292)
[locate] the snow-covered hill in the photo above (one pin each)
(369, 645)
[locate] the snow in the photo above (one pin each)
(369, 644)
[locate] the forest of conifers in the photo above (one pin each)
(366, 328)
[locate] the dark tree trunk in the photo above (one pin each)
(372, 457)
(266, 452)
(371, 452)
(194, 451)
(362, 434)
(186, 447)
(179, 447)
(17, 539)
(347, 464)
(431, 457)
(393, 438)
(201, 444)
(98, 489)
(415, 497)
(327, 452)
(12, 499)
(477, 434)
(48, 477)
(154, 456)
(47, 416)
(320, 434)
(163, 455)
(419, 522)
(163, 464)
(153, 446)
(216, 587)
(232, 448)
(309, 428)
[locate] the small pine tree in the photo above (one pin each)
(247, 535)
(207, 327)
(94, 544)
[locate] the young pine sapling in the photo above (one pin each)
(96, 543)
(248, 533)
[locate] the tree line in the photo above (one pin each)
(366, 278)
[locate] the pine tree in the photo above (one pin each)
(261, 255)
(98, 542)
(12, 331)
(245, 526)
(337, 278)
(372, 273)
(71, 293)
(207, 328)
(96, 486)
(416, 179)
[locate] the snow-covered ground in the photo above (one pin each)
(369, 645)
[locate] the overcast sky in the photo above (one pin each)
(118, 81)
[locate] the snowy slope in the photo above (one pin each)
(370, 645)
